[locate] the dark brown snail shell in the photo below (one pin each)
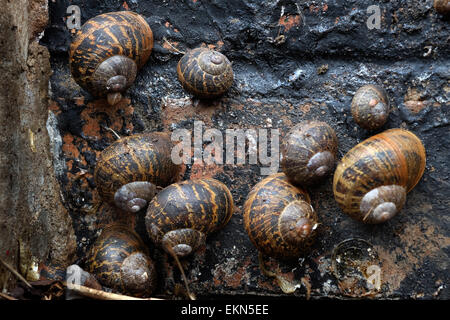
(371, 181)
(205, 73)
(129, 170)
(279, 219)
(370, 107)
(308, 152)
(442, 6)
(120, 261)
(107, 52)
(183, 214)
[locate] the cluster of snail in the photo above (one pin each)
(110, 48)
(136, 172)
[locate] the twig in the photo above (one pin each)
(109, 129)
(7, 297)
(14, 272)
(101, 295)
(174, 255)
(175, 49)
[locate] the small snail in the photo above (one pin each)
(181, 216)
(107, 52)
(129, 170)
(205, 73)
(372, 179)
(119, 260)
(370, 107)
(309, 150)
(279, 219)
(442, 6)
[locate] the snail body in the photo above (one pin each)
(120, 261)
(279, 219)
(130, 169)
(181, 216)
(371, 181)
(370, 107)
(107, 52)
(309, 151)
(205, 73)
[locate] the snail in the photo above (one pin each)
(120, 261)
(129, 171)
(442, 6)
(205, 73)
(180, 216)
(308, 152)
(107, 52)
(370, 107)
(279, 218)
(371, 181)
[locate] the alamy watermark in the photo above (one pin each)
(74, 20)
(374, 20)
(374, 277)
(233, 147)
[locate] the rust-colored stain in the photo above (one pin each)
(54, 107)
(177, 110)
(94, 113)
(69, 149)
(419, 241)
(415, 106)
(289, 21)
(414, 101)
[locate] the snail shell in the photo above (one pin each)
(309, 151)
(183, 214)
(129, 170)
(119, 260)
(442, 6)
(371, 181)
(107, 52)
(279, 219)
(205, 73)
(370, 107)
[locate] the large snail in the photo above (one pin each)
(371, 181)
(279, 219)
(181, 216)
(120, 261)
(309, 151)
(130, 169)
(370, 107)
(107, 52)
(205, 73)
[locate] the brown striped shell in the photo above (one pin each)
(370, 107)
(183, 214)
(279, 219)
(308, 152)
(372, 179)
(106, 53)
(205, 73)
(120, 261)
(131, 168)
